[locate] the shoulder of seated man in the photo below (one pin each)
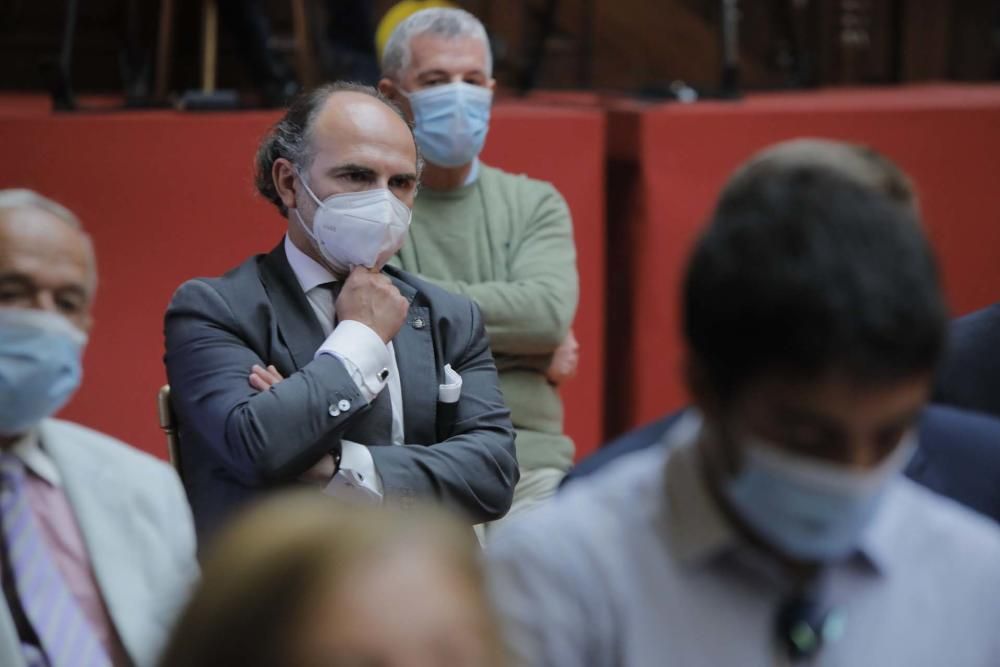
(102, 444)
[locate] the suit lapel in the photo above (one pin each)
(417, 364)
(103, 515)
(297, 323)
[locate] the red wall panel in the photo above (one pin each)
(947, 138)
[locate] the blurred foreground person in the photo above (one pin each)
(958, 450)
(776, 527)
(96, 538)
(299, 581)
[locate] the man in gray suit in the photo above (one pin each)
(96, 538)
(317, 364)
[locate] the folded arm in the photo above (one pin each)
(260, 436)
(281, 432)
(475, 468)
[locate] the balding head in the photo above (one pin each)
(324, 113)
(46, 259)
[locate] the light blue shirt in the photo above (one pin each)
(638, 566)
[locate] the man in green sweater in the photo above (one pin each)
(504, 240)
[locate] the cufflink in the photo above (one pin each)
(383, 375)
(418, 323)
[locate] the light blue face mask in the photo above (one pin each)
(40, 366)
(809, 509)
(451, 121)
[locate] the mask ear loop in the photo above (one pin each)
(301, 221)
(302, 180)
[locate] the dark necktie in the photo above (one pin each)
(334, 288)
(64, 633)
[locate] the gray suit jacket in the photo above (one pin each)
(236, 441)
(137, 527)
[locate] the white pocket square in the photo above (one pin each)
(451, 391)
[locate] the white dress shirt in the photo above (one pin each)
(365, 357)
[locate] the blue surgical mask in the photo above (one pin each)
(451, 121)
(809, 509)
(40, 367)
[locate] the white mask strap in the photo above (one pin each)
(302, 180)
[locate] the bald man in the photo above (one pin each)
(96, 538)
(317, 364)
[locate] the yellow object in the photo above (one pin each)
(399, 13)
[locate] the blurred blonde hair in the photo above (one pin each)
(270, 567)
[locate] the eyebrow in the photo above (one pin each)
(74, 289)
(793, 414)
(350, 168)
(790, 414)
(441, 72)
(14, 276)
(904, 419)
(25, 280)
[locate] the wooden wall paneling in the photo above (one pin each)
(925, 43)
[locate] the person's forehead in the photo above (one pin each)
(463, 53)
(353, 125)
(36, 241)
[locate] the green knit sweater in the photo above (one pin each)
(506, 241)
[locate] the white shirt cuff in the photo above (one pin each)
(363, 354)
(357, 481)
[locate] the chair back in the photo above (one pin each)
(168, 424)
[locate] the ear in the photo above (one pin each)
(387, 87)
(700, 387)
(492, 85)
(283, 174)
(87, 322)
(391, 89)
(719, 452)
